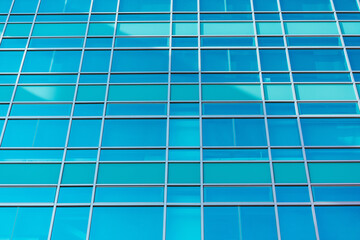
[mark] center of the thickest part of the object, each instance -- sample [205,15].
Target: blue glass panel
[321,77]
[185,42]
[229,60]
[283,132]
[331,132]
[31,155]
[305,5]
[81,155]
[230,77]
[232,109]
[270,42]
[333,154]
[265,5]
[280,108]
[286,154]
[142,42]
[59,6]
[110,223]
[10,61]
[227,41]
[346,5]
[24,6]
[21,18]
[139,78]
[27,194]
[144,6]
[336,194]
[104,5]
[276,77]
[184,16]
[352,41]
[11,79]
[267,16]
[183,194]
[184,60]
[129,194]
[84,133]
[143,17]
[75,195]
[99,43]
[340,222]
[313,41]
[273,60]
[62,18]
[120,109]
[308,16]
[88,109]
[96,61]
[184,132]
[40,110]
[181,77]
[5,6]
[348,16]
[230,5]
[292,194]
[3,109]
[233,223]
[238,194]
[227,16]
[183,223]
[48,79]
[354,57]
[296,223]
[235,154]
[234,132]
[328,108]
[102,17]
[13,43]
[184,109]
[317,60]
[133,155]
[70,223]
[182,6]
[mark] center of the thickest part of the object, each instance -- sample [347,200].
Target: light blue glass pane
[31,155]
[184,109]
[333,154]
[81,155]
[136,132]
[5,6]
[140,60]
[317,60]
[308,16]
[40,110]
[227,41]
[183,223]
[96,61]
[232,109]
[235,154]
[238,194]
[102,17]
[10,61]
[286,154]
[233,223]
[129,194]
[75,195]
[85,133]
[139,78]
[52,61]
[133,155]
[27,194]
[101,78]
[292,194]
[104,5]
[336,194]
[3,109]
[271,42]
[321,77]
[265,5]
[234,132]
[328,108]
[142,42]
[181,77]
[10,79]
[283,132]
[296,223]
[59,6]
[305,5]
[354,57]
[35,133]
[62,18]
[225,16]
[183,194]
[229,60]
[21,18]
[280,109]
[120,109]
[24,6]
[331,132]
[99,42]
[313,41]
[48,79]
[276,77]
[340,222]
[185,16]
[110,223]
[13,43]
[184,132]
[88,109]
[144,6]
[184,60]
[70,223]
[346,5]
[230,77]
[184,155]
[229,5]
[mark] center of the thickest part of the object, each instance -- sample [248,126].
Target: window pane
[147,29]
[184,60]
[273,60]
[231,92]
[96,61]
[27,195]
[129,194]
[336,193]
[85,133]
[183,194]
[75,195]
[184,132]
[104,6]
[229,5]
[44,93]
[284,132]
[354,57]
[278,92]
[346,5]
[10,61]
[226,28]
[292,194]
[310,28]
[289,173]
[78,173]
[59,29]
[183,223]
[265,5]
[238,194]
[184,173]
[59,6]
[305,5]
[144,6]
[334,172]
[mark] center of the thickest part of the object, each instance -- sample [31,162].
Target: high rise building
[179,119]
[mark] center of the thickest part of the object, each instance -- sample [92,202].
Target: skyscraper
[179,119]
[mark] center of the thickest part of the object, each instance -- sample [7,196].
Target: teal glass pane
[27,194]
[336,193]
[184,28]
[336,222]
[234,132]
[31,155]
[52,61]
[184,173]
[3,109]
[283,132]
[334,172]
[235,154]
[123,109]
[292,194]
[44,93]
[184,155]
[71,78]
[142,29]
[135,132]
[78,173]
[10,61]
[273,60]
[268,28]
[226,28]
[101,29]
[70,223]
[140,60]
[59,29]
[17,30]
[331,132]
[132,155]
[278,92]
[184,132]
[231,92]
[25,222]
[238,194]
[24,173]
[130,173]
[183,223]
[129,194]
[75,195]
[40,110]
[96,61]
[35,133]
[65,6]
[236,173]
[255,223]
[184,60]
[145,6]
[350,27]
[296,223]
[305,5]
[183,194]
[289,173]
[81,155]
[85,133]
[123,222]
[311,28]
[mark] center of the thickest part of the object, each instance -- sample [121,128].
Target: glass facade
[180,119]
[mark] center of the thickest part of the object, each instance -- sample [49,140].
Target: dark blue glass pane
[104,5]
[354,57]
[99,42]
[346,5]
[273,60]
[267,16]
[270,42]
[292,194]
[184,42]
[238,194]
[182,6]
[352,41]
[283,132]
[232,77]
[313,41]
[328,108]
[280,108]
[183,16]
[184,60]
[348,16]
[305,5]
